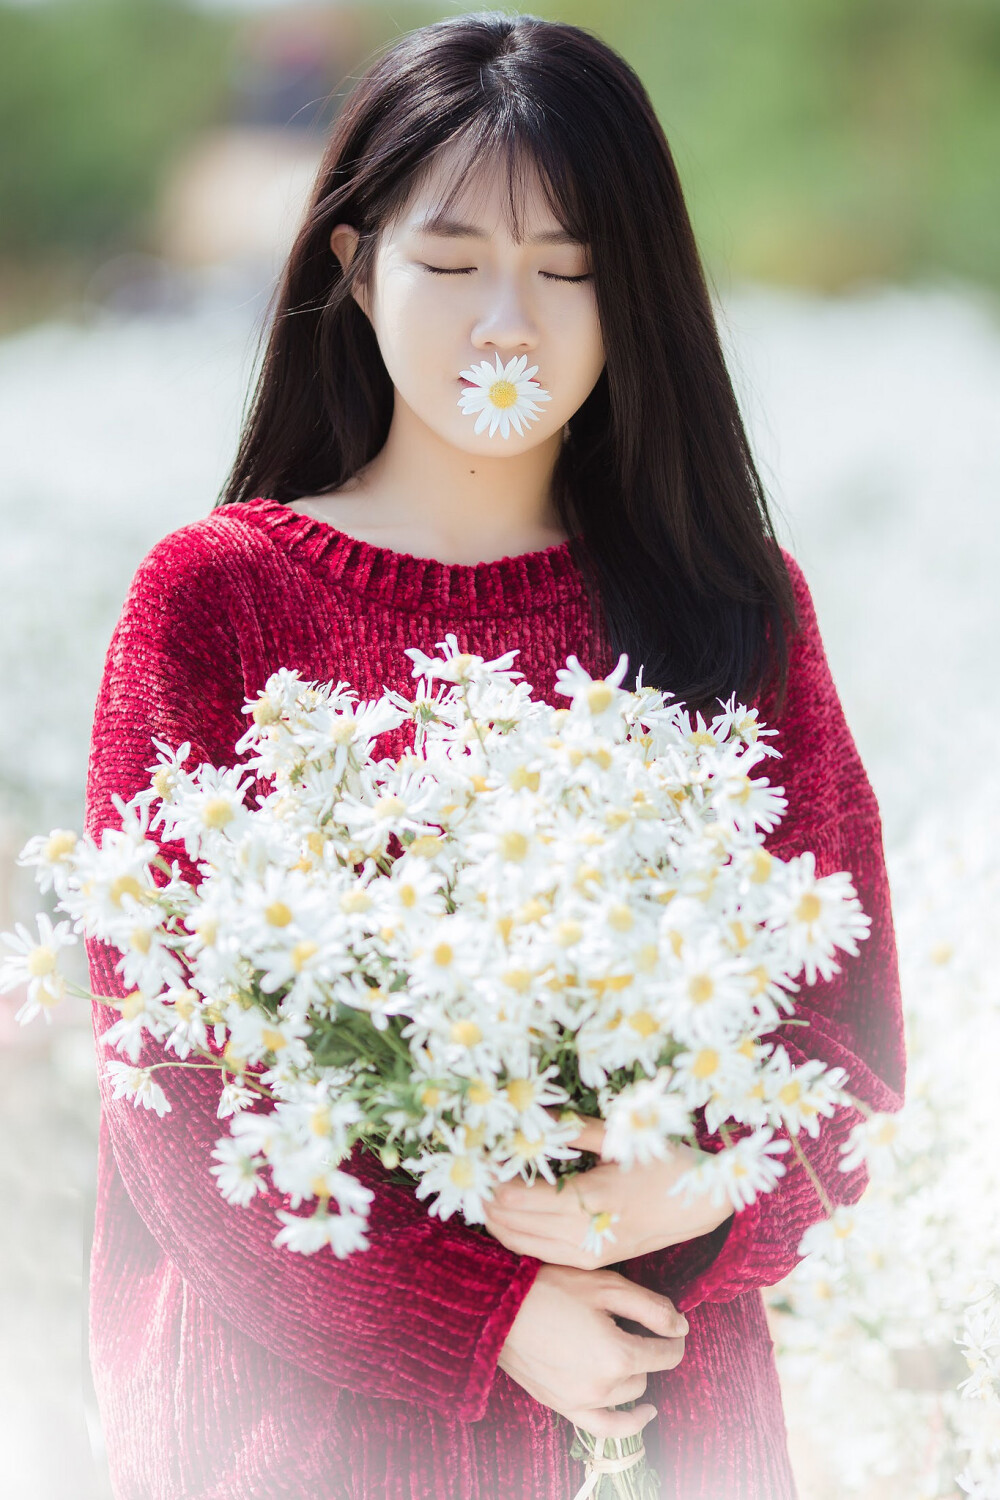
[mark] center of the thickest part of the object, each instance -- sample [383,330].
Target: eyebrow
[455,229]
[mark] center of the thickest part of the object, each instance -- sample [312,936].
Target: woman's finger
[604,1423]
[555,1252]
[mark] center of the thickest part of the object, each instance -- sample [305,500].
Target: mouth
[466,384]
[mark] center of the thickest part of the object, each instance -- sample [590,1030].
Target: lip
[468,384]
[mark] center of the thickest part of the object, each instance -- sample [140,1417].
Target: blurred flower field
[876,423]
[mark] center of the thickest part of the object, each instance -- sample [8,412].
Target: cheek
[412,328]
[581,354]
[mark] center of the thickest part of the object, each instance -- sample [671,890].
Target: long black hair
[656,485]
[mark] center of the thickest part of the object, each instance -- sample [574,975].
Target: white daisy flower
[503,395]
[343,1232]
[737,1174]
[34,962]
[137,1084]
[600,1230]
[238,1172]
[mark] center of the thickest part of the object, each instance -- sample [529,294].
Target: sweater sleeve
[422,1314]
[854,1019]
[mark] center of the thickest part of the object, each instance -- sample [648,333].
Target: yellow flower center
[461,1173]
[479,1092]
[705,1063]
[466,1033]
[132,1005]
[278,914]
[642,1022]
[355,900]
[41,961]
[809,907]
[302,953]
[124,885]
[426,845]
[60,843]
[389,806]
[601,1223]
[520,1092]
[217,812]
[701,988]
[186,1004]
[503,394]
[512,846]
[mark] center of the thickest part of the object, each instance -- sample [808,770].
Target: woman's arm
[855,1018]
[423,1313]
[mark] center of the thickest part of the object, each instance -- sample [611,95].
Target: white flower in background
[142,1016]
[460,1177]
[237,1171]
[503,395]
[595,697]
[457,666]
[641,1119]
[600,1231]
[878,1140]
[207,807]
[34,962]
[818,917]
[737,1174]
[344,1233]
[51,854]
[235,1096]
[138,1085]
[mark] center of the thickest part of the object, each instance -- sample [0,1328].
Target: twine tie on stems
[600,1464]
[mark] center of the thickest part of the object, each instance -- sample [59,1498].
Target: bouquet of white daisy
[534,913]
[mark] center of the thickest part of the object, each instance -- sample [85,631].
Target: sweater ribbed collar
[509,585]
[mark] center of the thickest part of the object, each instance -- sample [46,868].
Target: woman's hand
[566,1350]
[536,1219]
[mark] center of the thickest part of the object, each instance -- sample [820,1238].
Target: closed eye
[467,270]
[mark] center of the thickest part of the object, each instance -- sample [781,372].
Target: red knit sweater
[227,1369]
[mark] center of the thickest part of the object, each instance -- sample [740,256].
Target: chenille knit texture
[228,1369]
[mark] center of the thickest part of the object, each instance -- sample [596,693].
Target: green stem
[821,1191]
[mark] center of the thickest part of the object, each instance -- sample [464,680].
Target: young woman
[497,189]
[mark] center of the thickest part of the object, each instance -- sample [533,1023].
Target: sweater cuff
[482,1373]
[725,1276]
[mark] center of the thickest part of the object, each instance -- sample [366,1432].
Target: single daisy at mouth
[502,395]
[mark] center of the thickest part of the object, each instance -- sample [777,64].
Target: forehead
[460,187]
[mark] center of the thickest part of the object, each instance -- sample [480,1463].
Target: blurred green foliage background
[821,142]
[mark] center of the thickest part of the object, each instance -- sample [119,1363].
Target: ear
[344,243]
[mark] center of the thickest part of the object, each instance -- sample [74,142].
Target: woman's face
[447,294]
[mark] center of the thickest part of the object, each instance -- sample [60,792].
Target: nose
[505,322]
